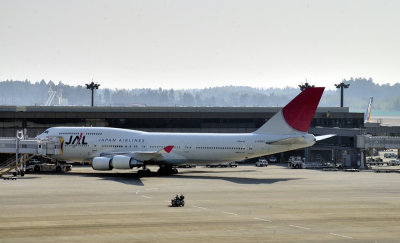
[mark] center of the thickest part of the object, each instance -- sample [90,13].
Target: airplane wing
[143,155]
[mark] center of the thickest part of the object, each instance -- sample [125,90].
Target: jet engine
[102,163]
[124,162]
[117,162]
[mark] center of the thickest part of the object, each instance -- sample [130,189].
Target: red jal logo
[76,140]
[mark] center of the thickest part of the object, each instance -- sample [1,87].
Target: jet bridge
[365,142]
[48,146]
[25,149]
[385,142]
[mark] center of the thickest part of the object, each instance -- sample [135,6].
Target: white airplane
[109,148]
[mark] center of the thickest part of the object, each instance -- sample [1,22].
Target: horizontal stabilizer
[288,141]
[322,137]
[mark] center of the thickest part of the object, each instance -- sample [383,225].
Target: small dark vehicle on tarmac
[178,201]
[223,165]
[186,166]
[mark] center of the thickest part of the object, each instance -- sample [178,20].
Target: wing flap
[143,155]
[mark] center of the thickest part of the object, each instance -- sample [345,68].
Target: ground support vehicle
[178,201]
[233,164]
[224,165]
[262,162]
[47,167]
[351,170]
[390,155]
[393,162]
[186,166]
[296,162]
[273,159]
[375,161]
[386,170]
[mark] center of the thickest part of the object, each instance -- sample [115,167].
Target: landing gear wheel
[144,173]
[167,170]
[147,172]
[58,168]
[36,168]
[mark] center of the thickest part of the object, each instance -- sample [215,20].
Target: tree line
[27,93]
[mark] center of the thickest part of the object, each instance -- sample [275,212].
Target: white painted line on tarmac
[230,213]
[199,207]
[348,237]
[266,220]
[146,196]
[300,227]
[151,189]
[377,197]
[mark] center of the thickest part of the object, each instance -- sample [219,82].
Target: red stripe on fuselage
[168,148]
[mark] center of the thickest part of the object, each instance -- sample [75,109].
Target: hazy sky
[196,44]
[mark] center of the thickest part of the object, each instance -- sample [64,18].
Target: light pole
[342,86]
[92,86]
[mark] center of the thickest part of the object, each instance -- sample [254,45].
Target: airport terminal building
[327,120]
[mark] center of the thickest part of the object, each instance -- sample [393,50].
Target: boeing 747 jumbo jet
[109,148]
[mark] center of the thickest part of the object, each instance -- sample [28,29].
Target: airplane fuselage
[85,143]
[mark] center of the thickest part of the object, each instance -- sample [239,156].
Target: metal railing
[13,165]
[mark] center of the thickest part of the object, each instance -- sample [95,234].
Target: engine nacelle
[101,163]
[124,162]
[121,162]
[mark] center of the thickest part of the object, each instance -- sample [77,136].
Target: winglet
[168,148]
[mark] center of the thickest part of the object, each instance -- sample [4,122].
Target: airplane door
[143,146]
[249,148]
[93,150]
[187,148]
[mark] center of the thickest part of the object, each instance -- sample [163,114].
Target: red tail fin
[300,111]
[296,116]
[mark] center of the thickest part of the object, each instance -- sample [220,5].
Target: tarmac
[243,204]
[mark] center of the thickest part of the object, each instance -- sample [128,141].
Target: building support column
[307,154]
[362,159]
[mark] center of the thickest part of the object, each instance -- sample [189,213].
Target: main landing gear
[144,172]
[167,170]
[163,170]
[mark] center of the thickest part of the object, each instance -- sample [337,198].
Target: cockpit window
[47,131]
